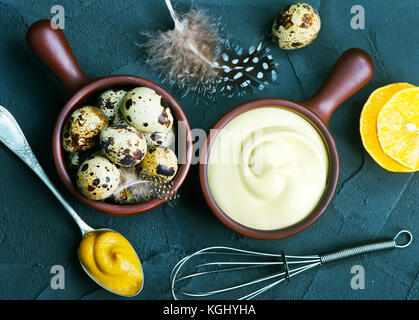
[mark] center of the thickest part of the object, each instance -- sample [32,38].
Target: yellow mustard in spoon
[111,261]
[106,256]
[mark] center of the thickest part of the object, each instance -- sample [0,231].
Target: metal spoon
[13,138]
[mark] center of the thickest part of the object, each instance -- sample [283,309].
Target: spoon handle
[13,138]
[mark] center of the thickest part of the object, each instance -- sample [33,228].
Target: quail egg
[82,128]
[165,139]
[144,109]
[109,102]
[75,159]
[296,26]
[123,145]
[98,178]
[160,162]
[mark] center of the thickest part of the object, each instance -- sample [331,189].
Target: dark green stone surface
[370,203]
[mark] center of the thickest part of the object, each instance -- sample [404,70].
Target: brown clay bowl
[351,72]
[51,46]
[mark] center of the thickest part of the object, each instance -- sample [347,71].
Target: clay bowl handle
[51,47]
[352,71]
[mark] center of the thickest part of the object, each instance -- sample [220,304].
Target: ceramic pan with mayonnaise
[270,167]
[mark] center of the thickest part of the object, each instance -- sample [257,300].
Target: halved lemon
[368,126]
[398,128]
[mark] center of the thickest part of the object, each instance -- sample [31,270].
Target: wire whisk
[192,276]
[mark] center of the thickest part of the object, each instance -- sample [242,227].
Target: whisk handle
[367,248]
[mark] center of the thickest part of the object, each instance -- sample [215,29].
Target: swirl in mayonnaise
[268,168]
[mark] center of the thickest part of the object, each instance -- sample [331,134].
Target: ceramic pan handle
[48,42]
[353,70]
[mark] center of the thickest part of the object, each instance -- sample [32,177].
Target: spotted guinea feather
[143,188]
[194,57]
[244,71]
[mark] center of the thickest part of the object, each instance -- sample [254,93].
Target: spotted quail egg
[82,128]
[160,162]
[123,145]
[97,178]
[145,109]
[109,102]
[296,26]
[77,158]
[165,139]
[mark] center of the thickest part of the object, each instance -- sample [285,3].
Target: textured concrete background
[370,203]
